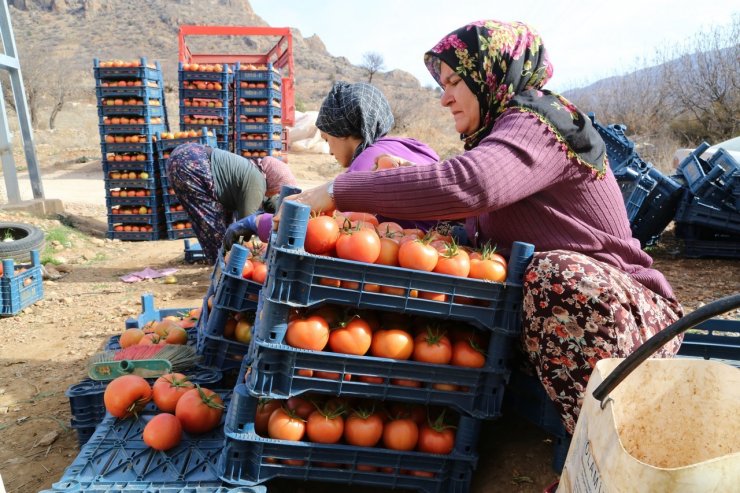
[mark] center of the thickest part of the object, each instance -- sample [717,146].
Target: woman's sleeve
[520,157]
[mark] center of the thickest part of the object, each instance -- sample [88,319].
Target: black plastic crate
[716,181]
[702,242]
[620,150]
[695,211]
[249,459]
[526,398]
[651,200]
[717,339]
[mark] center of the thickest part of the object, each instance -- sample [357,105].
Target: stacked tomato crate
[424,416]
[131,110]
[205,99]
[258,96]
[178,224]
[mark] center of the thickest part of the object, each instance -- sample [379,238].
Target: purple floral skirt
[577,311]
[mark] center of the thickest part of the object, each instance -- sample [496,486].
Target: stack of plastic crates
[272,369]
[205,99]
[113,455]
[131,110]
[21,285]
[650,197]
[708,219]
[177,221]
[231,300]
[259,128]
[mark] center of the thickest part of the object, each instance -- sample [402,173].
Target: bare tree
[372,62]
[42,81]
[702,82]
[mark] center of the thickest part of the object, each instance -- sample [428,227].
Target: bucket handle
[647,349]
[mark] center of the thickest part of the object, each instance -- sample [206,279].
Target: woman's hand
[318,199]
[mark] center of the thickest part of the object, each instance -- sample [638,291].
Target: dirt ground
[44,349]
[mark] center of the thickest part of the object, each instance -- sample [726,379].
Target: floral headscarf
[505,65]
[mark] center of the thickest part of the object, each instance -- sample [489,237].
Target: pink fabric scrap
[147,273]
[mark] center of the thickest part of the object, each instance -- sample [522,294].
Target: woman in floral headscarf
[534,170]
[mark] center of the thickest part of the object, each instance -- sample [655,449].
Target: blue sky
[587,40]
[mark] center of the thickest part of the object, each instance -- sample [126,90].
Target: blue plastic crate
[149,313]
[270,74]
[295,277]
[116,455]
[526,398]
[279,370]
[271,128]
[694,211]
[205,112]
[143,110]
[128,129]
[262,93]
[232,291]
[144,148]
[176,216]
[179,234]
[169,199]
[217,351]
[193,252]
[717,339]
[249,459]
[20,289]
[224,76]
[243,144]
[135,235]
[151,219]
[267,111]
[141,72]
[145,487]
[705,242]
[152,201]
[128,166]
[86,397]
[651,200]
[169,144]
[148,183]
[144,92]
[221,95]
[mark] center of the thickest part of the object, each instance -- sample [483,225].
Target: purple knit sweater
[517,184]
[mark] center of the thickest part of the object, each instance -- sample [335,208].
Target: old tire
[25,238]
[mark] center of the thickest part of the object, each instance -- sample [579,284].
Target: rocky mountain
[70,33]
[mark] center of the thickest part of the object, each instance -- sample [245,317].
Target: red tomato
[360,245]
[300,407]
[453,261]
[308,333]
[389,229]
[353,337]
[163,432]
[388,252]
[247,270]
[322,233]
[432,346]
[400,434]
[364,217]
[417,255]
[489,270]
[265,407]
[331,313]
[259,271]
[168,389]
[284,426]
[393,343]
[436,437]
[324,427]
[127,395]
[363,429]
[415,412]
[199,410]
[464,354]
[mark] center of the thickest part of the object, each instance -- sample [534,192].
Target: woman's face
[342,148]
[461,101]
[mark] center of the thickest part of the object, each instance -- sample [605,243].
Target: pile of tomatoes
[183,405]
[386,335]
[170,330]
[362,238]
[356,422]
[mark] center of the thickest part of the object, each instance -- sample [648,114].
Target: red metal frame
[280,55]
